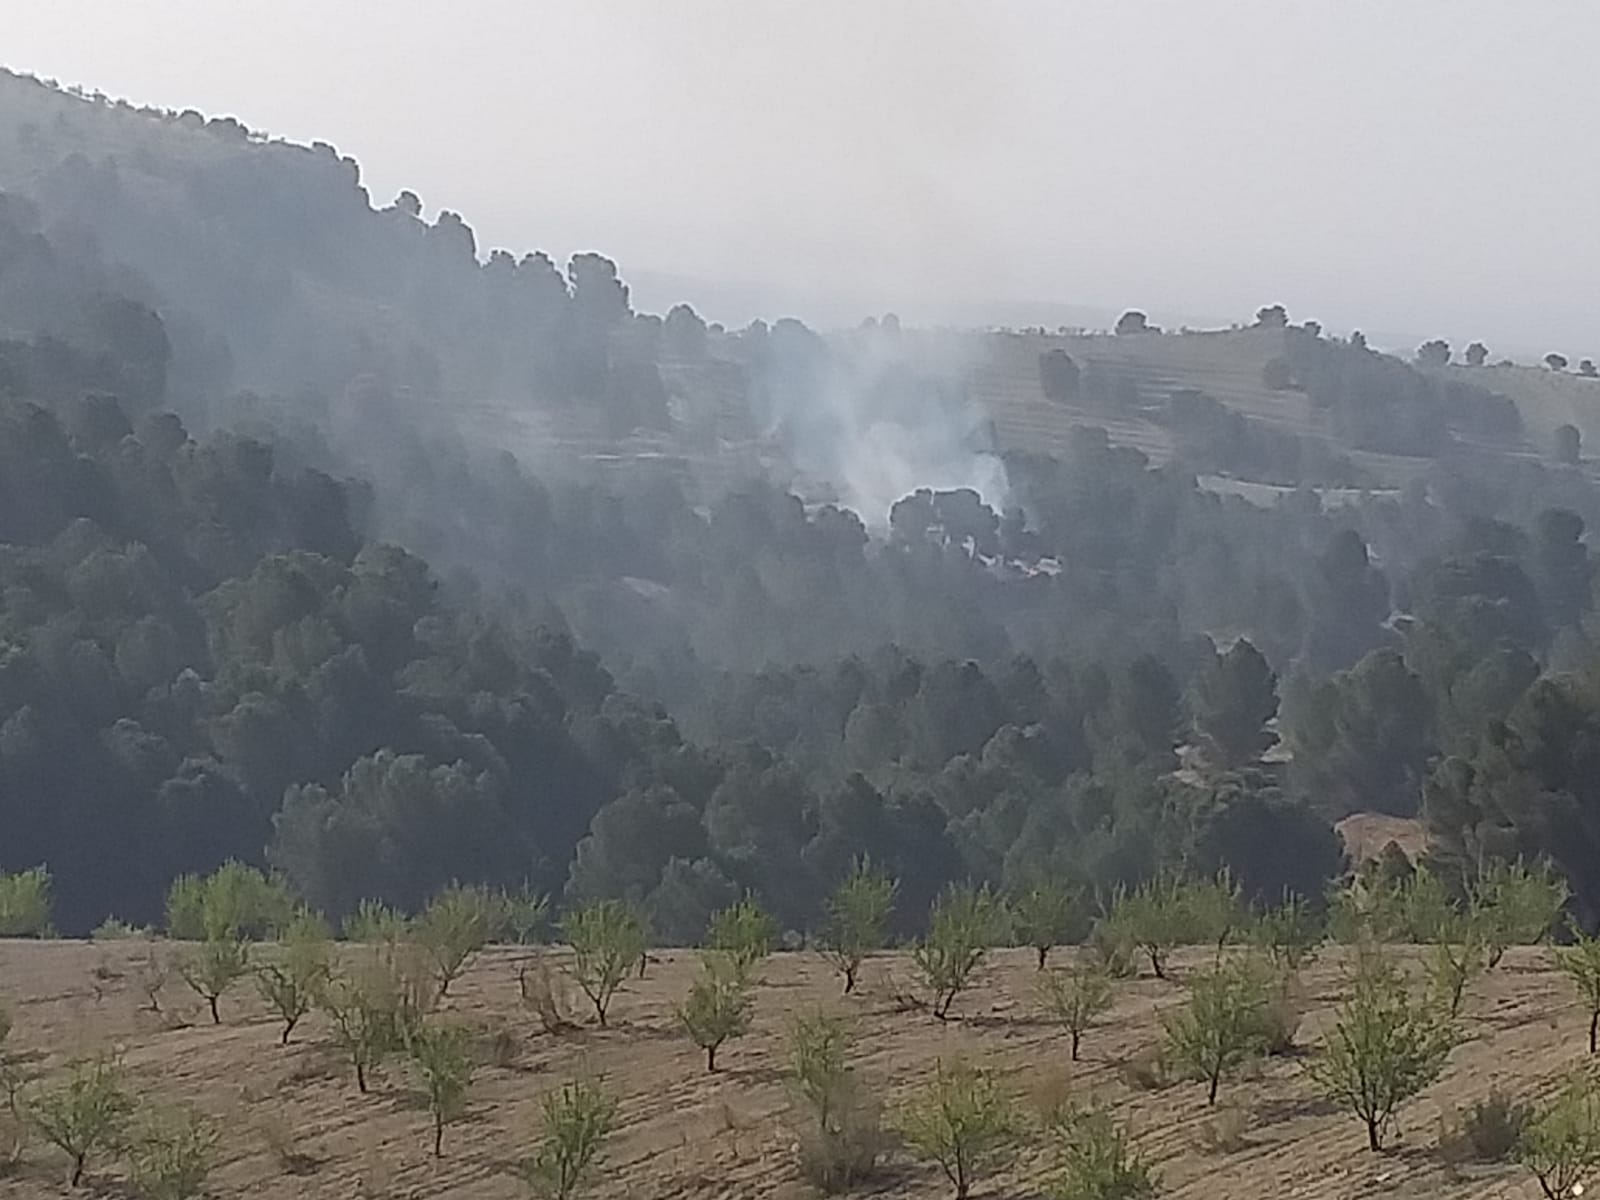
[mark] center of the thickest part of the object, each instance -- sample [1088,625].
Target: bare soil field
[295,1126]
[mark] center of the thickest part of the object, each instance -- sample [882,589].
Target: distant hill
[275,273]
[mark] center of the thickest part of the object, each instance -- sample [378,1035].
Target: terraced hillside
[1225,364]
[1545,398]
[295,1126]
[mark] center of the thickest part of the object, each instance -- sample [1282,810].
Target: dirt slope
[688,1134]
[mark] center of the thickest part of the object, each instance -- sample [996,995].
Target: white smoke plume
[876,414]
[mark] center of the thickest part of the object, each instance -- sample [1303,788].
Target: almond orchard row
[380,990]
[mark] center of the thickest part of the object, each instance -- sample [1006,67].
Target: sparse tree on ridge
[1434,354]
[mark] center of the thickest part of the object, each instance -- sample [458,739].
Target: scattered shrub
[170,1154]
[1147,1070]
[1113,950]
[502,1047]
[1224,1131]
[1098,1161]
[606,940]
[1075,997]
[858,916]
[25,903]
[718,1007]
[841,1134]
[1288,933]
[375,923]
[113,930]
[1488,1130]
[84,1114]
[965,922]
[545,994]
[1280,1020]
[1385,1048]
[279,1137]
[962,1121]
[576,1118]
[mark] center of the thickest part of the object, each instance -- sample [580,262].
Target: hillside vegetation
[374,575]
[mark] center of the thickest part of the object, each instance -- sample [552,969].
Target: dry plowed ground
[295,1126]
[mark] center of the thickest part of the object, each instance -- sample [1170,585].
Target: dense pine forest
[276,585]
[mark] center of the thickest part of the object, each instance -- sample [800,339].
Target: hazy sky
[1418,166]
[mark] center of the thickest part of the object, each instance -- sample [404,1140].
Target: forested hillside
[308,557]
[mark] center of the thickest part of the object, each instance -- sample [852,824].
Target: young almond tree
[442,1057]
[718,1007]
[372,1005]
[1561,1145]
[170,1154]
[1045,914]
[606,940]
[1518,905]
[25,903]
[1075,996]
[743,933]
[1288,933]
[455,925]
[1454,963]
[1580,962]
[964,923]
[291,983]
[84,1114]
[576,1119]
[1162,914]
[962,1121]
[213,967]
[858,918]
[1385,1048]
[525,915]
[1222,1025]
[1097,1158]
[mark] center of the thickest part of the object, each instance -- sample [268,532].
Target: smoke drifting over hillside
[877,414]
